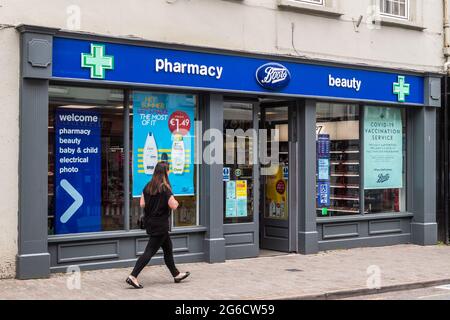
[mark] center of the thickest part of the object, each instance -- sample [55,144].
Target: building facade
[94,93]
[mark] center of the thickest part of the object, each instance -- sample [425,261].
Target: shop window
[163,129]
[354,173]
[238,162]
[338,159]
[384,159]
[85,148]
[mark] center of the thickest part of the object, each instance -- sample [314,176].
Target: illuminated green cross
[401,89]
[97,61]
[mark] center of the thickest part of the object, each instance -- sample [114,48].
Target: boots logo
[273,76]
[382,178]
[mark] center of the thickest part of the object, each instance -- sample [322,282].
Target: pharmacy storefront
[266,153]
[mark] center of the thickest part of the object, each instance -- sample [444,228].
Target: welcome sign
[383,148]
[77,171]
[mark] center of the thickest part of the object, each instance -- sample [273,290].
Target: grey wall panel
[241,251]
[37,55]
[432,88]
[239,238]
[238,227]
[384,227]
[275,232]
[376,232]
[129,263]
[342,230]
[121,252]
[359,242]
[87,251]
[241,241]
[180,244]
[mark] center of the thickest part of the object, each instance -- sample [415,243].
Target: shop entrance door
[274,189]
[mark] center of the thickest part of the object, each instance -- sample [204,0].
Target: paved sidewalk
[288,276]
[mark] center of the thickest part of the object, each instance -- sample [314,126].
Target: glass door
[239,137]
[274,216]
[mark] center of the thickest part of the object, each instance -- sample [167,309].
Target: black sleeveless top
[157,211]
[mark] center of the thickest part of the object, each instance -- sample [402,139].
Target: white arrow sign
[78,200]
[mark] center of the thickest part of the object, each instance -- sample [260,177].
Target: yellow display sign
[241,189]
[276,196]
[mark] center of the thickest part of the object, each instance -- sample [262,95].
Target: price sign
[180,122]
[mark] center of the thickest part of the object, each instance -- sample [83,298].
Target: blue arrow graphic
[78,200]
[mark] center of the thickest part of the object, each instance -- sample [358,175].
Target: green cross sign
[401,89]
[97,61]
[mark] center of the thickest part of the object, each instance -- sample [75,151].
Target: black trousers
[154,243]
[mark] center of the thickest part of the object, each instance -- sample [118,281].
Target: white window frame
[407,11]
[314,2]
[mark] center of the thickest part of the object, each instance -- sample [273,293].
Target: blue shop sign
[123,63]
[77,171]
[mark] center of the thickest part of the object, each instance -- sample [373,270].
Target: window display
[384,159]
[383,149]
[85,160]
[338,160]
[163,129]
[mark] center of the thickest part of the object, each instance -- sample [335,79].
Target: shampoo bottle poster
[163,130]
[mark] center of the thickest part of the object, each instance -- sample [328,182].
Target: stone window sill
[309,8]
[399,23]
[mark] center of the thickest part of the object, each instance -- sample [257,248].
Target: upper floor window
[395,8]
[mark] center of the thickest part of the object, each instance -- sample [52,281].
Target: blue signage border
[125,63]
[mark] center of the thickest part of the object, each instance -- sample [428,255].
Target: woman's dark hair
[160,179]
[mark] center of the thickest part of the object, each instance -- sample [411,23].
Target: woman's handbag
[170,220]
[141,221]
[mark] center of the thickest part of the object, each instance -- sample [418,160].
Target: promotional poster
[383,148]
[164,130]
[276,195]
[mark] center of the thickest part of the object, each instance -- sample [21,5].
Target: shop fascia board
[136,41]
[143,86]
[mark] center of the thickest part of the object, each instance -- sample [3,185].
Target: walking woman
[157,200]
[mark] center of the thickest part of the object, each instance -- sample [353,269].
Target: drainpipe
[446,36]
[445,137]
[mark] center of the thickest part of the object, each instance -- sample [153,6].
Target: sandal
[133,284]
[178,280]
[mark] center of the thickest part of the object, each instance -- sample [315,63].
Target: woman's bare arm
[173,203]
[142,203]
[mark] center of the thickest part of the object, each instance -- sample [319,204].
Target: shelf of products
[344,178]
